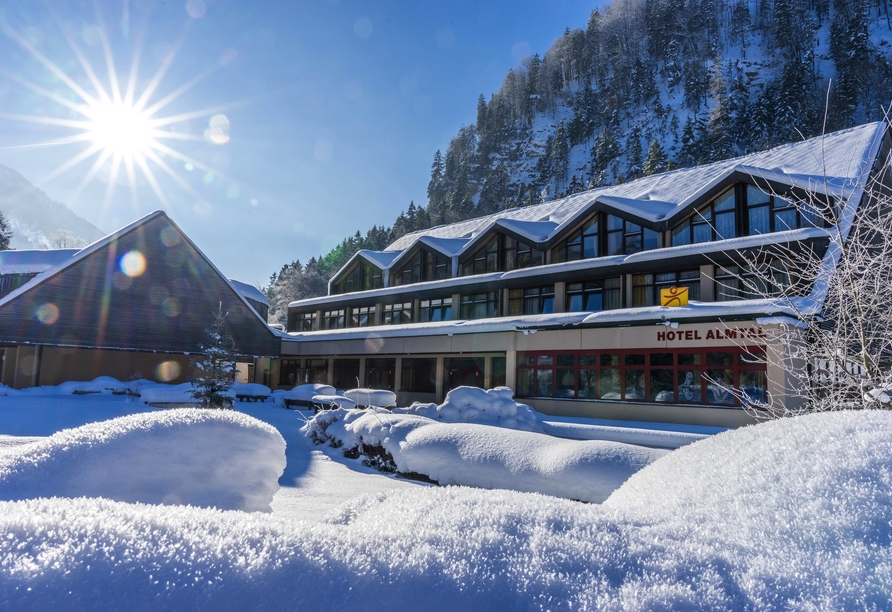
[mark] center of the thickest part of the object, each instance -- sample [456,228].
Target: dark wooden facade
[95,303]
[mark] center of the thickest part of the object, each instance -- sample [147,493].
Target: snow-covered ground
[792,514]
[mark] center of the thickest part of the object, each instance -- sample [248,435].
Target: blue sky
[333,109]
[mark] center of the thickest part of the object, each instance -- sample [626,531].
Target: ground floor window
[419,375]
[379,373]
[723,377]
[498,372]
[536,300]
[346,373]
[289,370]
[317,371]
[435,310]
[464,371]
[480,305]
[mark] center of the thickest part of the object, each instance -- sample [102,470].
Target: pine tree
[5,233]
[215,371]
[656,159]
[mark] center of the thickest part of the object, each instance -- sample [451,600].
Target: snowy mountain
[643,87]
[34,217]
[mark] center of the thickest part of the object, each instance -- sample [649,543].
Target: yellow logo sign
[674,296]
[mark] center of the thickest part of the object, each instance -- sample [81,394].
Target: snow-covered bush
[480,456]
[187,456]
[474,405]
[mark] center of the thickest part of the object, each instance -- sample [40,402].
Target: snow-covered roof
[33,261]
[836,164]
[249,291]
[707,248]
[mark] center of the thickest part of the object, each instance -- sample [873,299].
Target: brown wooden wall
[92,303]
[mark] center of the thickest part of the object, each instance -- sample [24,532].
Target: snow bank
[480,456]
[372,397]
[162,394]
[199,457]
[789,515]
[102,384]
[4,390]
[474,405]
[251,390]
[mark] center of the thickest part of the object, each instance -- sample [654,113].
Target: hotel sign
[719,333]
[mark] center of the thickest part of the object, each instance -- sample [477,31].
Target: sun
[125,127]
[121,130]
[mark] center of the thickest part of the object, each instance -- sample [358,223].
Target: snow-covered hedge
[474,405]
[787,515]
[199,457]
[481,456]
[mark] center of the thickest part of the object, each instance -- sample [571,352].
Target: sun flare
[121,130]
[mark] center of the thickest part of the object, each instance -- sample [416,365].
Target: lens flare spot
[189,167]
[48,313]
[167,371]
[169,237]
[132,263]
[218,130]
[171,307]
[232,192]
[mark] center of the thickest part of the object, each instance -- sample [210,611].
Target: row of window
[741,210]
[732,282]
[723,377]
[418,374]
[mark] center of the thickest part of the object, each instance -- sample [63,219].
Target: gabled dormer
[359,274]
[420,265]
[500,252]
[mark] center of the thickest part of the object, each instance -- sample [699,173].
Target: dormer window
[581,244]
[423,266]
[770,213]
[362,277]
[715,221]
[485,259]
[625,237]
[517,254]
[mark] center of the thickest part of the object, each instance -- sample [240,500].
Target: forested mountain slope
[645,86]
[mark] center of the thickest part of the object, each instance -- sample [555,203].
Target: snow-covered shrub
[187,456]
[474,405]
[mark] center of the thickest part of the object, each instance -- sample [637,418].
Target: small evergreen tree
[656,159]
[215,371]
[5,233]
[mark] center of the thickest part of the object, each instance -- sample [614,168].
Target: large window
[362,316]
[594,296]
[419,375]
[435,310]
[535,300]
[334,319]
[397,314]
[752,281]
[379,373]
[302,321]
[424,266]
[363,276]
[715,221]
[625,237]
[317,371]
[485,259]
[464,371]
[581,244]
[345,373]
[517,254]
[480,305]
[722,377]
[646,287]
[769,213]
[289,372]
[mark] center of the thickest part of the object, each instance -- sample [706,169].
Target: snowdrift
[482,456]
[221,459]
[474,405]
[787,515]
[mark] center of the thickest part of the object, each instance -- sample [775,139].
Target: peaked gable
[146,287]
